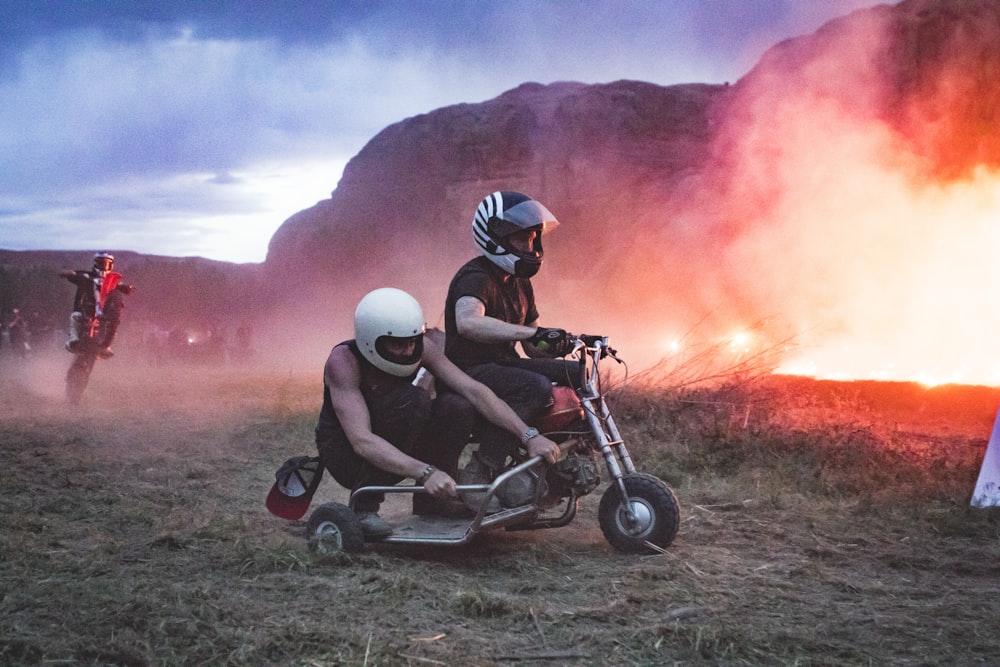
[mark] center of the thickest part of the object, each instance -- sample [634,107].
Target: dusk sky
[192,128]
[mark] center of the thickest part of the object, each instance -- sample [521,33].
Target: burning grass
[822,523]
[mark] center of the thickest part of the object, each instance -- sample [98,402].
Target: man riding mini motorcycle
[490,308]
[99,294]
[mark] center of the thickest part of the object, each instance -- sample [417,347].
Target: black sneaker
[477,472]
[427,505]
[373,526]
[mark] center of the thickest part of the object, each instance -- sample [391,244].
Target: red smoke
[857,191]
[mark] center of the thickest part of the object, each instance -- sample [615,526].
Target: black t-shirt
[511,300]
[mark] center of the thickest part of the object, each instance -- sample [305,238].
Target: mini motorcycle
[638,513]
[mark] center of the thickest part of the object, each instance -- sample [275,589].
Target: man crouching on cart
[377,427]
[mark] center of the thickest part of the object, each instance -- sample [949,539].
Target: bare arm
[472,323]
[343,376]
[485,401]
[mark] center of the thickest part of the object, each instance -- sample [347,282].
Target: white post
[987,493]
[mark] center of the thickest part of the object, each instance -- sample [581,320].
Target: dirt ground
[133,532]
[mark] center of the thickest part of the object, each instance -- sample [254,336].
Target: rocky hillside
[595,154]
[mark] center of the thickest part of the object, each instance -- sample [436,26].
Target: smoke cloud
[861,210]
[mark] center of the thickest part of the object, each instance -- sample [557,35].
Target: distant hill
[170,291]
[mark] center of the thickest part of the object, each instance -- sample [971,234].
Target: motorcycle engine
[577,472]
[520,489]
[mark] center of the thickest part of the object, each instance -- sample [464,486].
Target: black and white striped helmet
[501,214]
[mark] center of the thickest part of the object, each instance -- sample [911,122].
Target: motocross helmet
[503,213]
[103,263]
[385,316]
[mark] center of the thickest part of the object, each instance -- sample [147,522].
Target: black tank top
[374,383]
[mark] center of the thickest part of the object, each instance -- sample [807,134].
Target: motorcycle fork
[609,441]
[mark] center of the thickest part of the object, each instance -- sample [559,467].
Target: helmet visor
[399,350]
[103,263]
[523,216]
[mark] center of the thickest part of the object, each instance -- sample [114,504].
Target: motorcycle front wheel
[333,527]
[648,524]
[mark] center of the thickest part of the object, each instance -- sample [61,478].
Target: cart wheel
[334,527]
[655,520]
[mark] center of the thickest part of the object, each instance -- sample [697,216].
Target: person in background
[17,334]
[378,426]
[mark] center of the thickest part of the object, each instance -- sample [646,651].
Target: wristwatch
[528,435]
[428,471]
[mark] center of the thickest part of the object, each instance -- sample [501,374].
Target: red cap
[292,491]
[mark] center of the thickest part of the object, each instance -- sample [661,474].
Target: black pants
[526,386]
[434,431]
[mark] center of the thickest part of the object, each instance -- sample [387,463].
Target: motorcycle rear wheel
[78,376]
[655,510]
[332,528]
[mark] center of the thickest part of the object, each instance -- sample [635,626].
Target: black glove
[554,342]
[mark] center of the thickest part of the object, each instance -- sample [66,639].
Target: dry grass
[822,524]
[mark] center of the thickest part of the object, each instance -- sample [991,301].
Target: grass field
[822,524]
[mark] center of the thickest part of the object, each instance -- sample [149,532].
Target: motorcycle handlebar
[591,340]
[595,341]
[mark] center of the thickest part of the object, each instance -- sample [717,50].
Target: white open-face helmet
[503,213]
[385,319]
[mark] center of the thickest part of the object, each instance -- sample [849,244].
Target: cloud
[126,133]
[166,106]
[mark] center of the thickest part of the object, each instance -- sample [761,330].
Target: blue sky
[193,128]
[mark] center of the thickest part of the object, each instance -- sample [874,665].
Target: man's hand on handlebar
[441,485]
[553,342]
[542,446]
